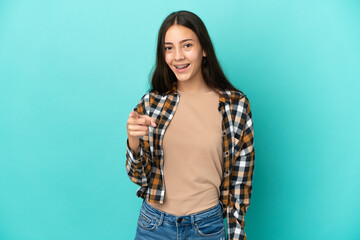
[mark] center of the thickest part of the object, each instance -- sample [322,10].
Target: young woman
[190,141]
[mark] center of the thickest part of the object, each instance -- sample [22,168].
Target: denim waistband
[183,219]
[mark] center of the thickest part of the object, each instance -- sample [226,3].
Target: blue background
[71,72]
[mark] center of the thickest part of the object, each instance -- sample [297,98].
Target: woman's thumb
[153,123]
[151,120]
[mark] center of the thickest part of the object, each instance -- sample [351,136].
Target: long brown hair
[163,77]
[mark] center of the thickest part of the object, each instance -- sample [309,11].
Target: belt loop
[222,207]
[161,219]
[192,220]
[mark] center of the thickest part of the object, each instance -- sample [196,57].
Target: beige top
[193,162]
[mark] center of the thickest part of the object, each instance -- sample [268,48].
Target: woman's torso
[193,162]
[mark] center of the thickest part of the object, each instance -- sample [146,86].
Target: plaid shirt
[147,168]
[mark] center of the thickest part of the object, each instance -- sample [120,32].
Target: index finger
[134,114]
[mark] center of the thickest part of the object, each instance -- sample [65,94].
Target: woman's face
[183,53]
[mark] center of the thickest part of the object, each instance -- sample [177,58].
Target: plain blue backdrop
[71,72]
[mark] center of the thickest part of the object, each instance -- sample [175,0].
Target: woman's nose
[179,54]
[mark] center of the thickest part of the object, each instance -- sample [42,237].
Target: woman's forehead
[179,33]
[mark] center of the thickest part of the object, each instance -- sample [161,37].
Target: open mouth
[183,66]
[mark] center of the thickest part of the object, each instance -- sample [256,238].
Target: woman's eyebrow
[188,39]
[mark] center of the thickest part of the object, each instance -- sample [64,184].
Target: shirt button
[224,133]
[227,153]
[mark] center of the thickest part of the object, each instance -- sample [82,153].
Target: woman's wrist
[134,144]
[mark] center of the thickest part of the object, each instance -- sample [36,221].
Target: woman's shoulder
[152,98]
[233,95]
[153,95]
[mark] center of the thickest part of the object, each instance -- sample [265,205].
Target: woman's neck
[193,86]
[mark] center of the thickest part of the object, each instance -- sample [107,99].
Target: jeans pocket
[147,221]
[211,226]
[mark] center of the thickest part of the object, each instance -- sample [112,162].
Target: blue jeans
[154,224]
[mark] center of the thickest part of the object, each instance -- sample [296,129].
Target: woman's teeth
[182,66]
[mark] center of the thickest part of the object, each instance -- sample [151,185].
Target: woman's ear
[204,53]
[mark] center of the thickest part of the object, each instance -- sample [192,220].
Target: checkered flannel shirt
[147,168]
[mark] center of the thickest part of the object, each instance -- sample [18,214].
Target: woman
[190,141]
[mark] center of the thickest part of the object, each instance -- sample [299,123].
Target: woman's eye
[167,48]
[188,45]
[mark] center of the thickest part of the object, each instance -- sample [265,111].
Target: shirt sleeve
[138,167]
[242,174]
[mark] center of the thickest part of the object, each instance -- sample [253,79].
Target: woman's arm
[242,174]
[139,162]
